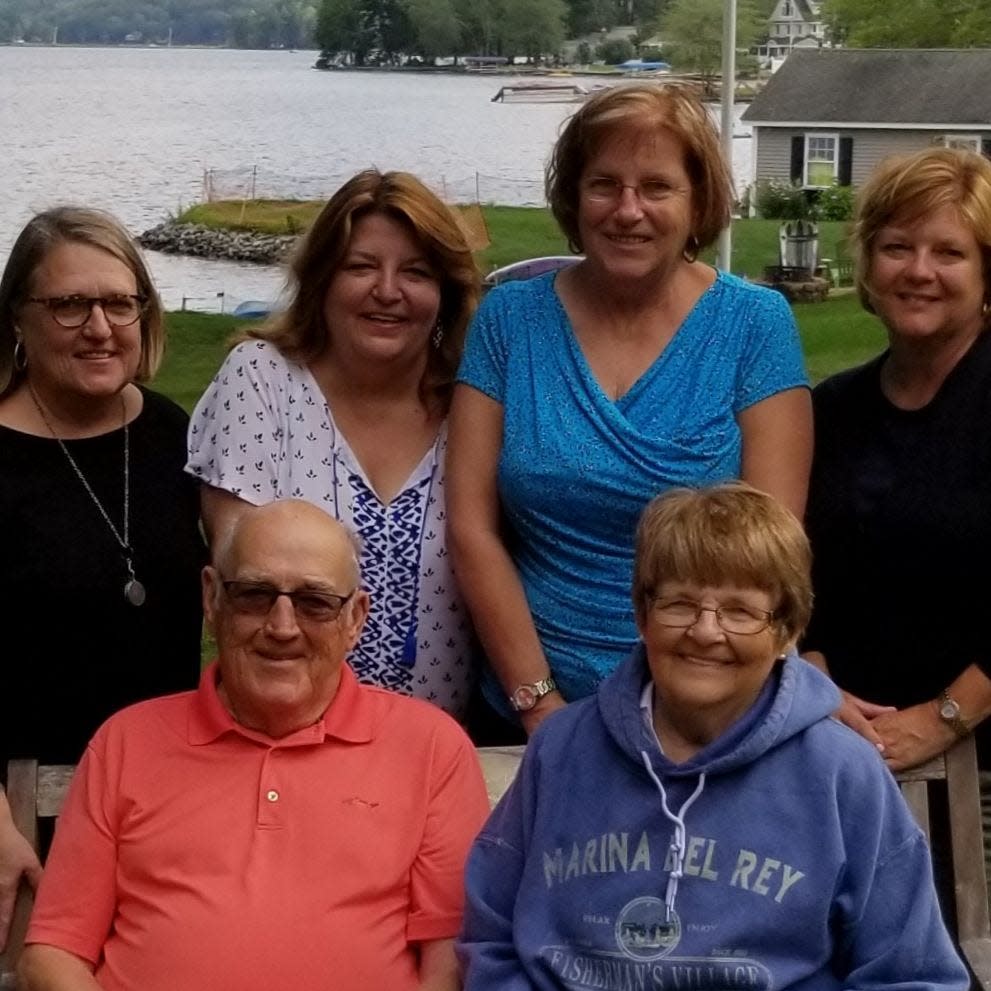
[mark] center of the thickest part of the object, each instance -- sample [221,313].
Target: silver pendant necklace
[134,591]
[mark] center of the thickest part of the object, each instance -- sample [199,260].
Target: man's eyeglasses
[683,613]
[258,598]
[71,312]
[605,189]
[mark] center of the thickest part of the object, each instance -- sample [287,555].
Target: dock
[542,92]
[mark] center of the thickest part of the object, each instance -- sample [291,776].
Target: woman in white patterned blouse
[342,400]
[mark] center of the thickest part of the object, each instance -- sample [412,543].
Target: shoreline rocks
[209,242]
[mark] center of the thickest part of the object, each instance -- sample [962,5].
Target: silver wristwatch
[527,696]
[949,713]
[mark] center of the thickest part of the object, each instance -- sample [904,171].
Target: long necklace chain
[134,591]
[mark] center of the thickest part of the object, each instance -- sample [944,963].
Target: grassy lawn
[755,244]
[197,343]
[519,232]
[267,216]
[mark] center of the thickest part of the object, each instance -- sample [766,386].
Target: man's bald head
[287,520]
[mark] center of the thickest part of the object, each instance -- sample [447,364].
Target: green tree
[391,29]
[436,27]
[614,51]
[479,21]
[918,24]
[588,16]
[532,27]
[340,30]
[693,34]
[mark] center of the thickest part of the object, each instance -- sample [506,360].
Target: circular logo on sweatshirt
[645,932]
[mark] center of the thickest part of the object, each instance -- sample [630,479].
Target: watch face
[525,698]
[949,709]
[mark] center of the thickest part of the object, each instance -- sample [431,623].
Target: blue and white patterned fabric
[263,431]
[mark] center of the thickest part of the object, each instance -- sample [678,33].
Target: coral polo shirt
[193,853]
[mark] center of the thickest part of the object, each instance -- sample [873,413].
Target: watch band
[949,713]
[526,696]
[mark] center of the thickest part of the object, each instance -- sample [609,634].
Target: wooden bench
[958,768]
[33,793]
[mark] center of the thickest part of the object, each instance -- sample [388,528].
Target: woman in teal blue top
[584,394]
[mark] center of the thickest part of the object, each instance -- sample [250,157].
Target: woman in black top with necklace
[99,578]
[899,501]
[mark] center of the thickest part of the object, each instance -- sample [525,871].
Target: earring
[691,250]
[20,358]
[438,334]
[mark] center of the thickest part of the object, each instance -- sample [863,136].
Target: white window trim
[973,141]
[835,138]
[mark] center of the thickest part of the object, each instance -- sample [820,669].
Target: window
[786,8]
[969,142]
[820,160]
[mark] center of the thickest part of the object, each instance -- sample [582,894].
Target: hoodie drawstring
[678,844]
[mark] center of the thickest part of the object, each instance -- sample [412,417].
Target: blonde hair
[636,111]
[74,225]
[727,534]
[905,188]
[300,331]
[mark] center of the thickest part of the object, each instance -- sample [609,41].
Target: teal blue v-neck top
[577,467]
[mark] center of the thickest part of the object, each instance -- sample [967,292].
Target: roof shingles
[878,86]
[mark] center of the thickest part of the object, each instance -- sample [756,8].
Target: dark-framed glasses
[605,189]
[71,312]
[258,598]
[683,613]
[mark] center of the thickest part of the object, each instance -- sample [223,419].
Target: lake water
[135,131]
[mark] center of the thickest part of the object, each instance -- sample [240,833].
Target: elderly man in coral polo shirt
[282,827]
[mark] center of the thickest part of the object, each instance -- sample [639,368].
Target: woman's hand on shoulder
[912,736]
[859,714]
[17,860]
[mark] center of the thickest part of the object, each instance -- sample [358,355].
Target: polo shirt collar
[350,717]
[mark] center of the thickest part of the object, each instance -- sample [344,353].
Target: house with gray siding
[792,24]
[832,114]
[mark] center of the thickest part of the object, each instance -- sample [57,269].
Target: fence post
[254,181]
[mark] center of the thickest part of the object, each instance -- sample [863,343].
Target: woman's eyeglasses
[605,189]
[71,312]
[683,613]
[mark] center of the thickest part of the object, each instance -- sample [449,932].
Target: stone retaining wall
[208,242]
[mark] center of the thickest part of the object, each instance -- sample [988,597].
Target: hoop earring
[438,334]
[20,358]
[691,250]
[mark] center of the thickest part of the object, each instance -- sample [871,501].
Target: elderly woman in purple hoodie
[702,822]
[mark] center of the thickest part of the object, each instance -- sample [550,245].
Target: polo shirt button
[272,796]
